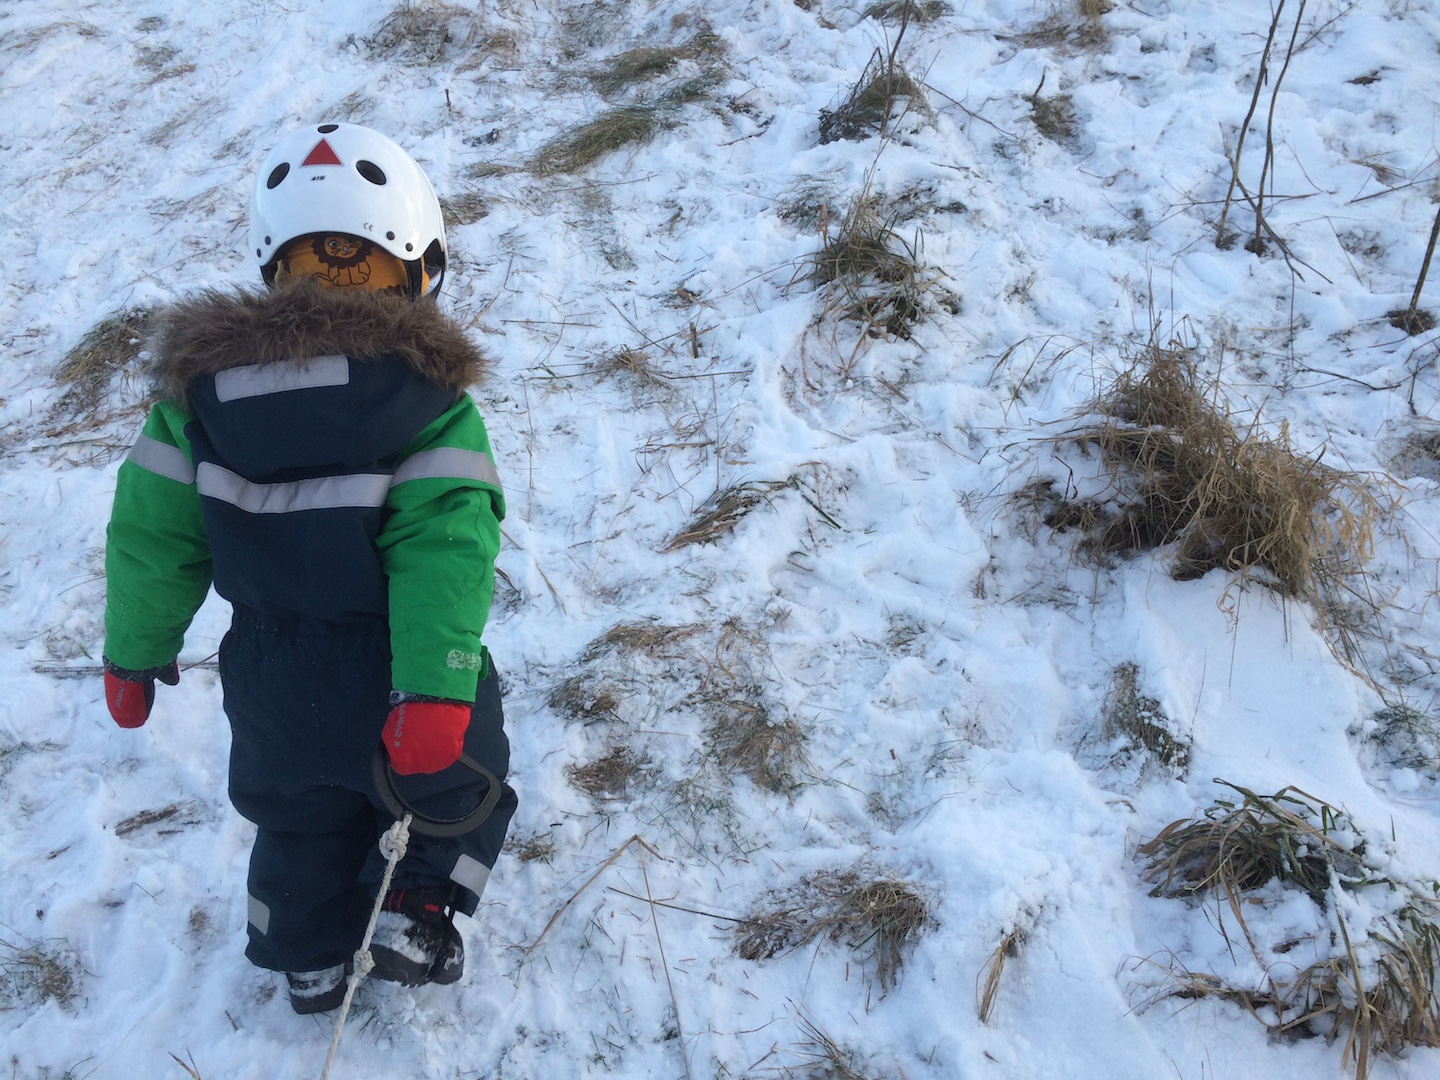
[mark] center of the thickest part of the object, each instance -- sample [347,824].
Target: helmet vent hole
[267,239]
[370,171]
[389,236]
[325,129]
[409,247]
[277,174]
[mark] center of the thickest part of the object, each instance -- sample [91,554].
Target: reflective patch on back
[258,913]
[318,493]
[255,380]
[471,873]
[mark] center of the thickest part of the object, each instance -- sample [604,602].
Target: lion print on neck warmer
[341,262]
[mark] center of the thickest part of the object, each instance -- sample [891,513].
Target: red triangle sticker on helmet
[321,155]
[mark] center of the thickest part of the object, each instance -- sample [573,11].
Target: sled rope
[392,845]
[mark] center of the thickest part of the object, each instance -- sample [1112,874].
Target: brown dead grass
[723,511]
[1243,501]
[1142,721]
[887,915]
[869,274]
[107,349]
[623,70]
[34,972]
[1379,992]
[610,776]
[745,736]
[987,983]
[584,144]
[656,640]
[884,92]
[420,31]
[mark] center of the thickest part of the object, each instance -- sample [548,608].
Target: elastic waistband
[308,626]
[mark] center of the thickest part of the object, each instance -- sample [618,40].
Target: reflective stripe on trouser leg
[471,873]
[259,914]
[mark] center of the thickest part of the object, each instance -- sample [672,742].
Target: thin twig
[1425,266]
[588,882]
[1269,162]
[674,907]
[655,922]
[1244,127]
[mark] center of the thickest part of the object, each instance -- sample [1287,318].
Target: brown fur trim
[218,330]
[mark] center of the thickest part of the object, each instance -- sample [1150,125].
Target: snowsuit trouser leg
[306,701]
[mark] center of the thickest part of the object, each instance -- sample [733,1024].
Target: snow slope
[944,659]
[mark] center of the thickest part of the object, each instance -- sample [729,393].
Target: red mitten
[130,694]
[425,736]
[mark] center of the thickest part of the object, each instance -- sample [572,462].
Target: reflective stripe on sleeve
[162,459]
[255,380]
[446,463]
[319,493]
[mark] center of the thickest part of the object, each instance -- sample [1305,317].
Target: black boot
[415,940]
[317,991]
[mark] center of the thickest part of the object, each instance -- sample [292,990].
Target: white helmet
[344,178]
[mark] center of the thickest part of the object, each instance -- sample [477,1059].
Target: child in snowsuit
[313,453]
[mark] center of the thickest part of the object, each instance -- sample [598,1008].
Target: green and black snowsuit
[314,453]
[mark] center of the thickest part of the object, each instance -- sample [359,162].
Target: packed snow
[930,662]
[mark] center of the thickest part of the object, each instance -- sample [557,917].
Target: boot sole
[319,1003]
[392,966]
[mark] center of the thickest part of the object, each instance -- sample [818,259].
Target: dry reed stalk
[987,983]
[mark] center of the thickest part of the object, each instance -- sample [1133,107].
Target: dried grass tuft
[870,104]
[744,735]
[537,847]
[464,209]
[1142,722]
[824,1059]
[719,514]
[1042,504]
[1383,1003]
[587,697]
[1406,737]
[623,70]
[647,383]
[1053,117]
[1236,847]
[987,983]
[610,776]
[583,145]
[1378,991]
[107,349]
[893,11]
[886,914]
[419,32]
[869,273]
[1245,502]
[34,972]
[657,640]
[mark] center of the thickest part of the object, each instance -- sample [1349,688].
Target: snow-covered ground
[939,662]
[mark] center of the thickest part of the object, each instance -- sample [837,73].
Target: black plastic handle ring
[384,778]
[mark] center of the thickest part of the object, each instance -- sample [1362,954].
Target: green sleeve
[438,547]
[157,560]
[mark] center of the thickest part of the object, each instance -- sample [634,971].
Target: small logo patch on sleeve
[463,661]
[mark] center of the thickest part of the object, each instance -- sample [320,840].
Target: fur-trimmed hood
[217,330]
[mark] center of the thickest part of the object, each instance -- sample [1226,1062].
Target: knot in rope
[364,963]
[395,840]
